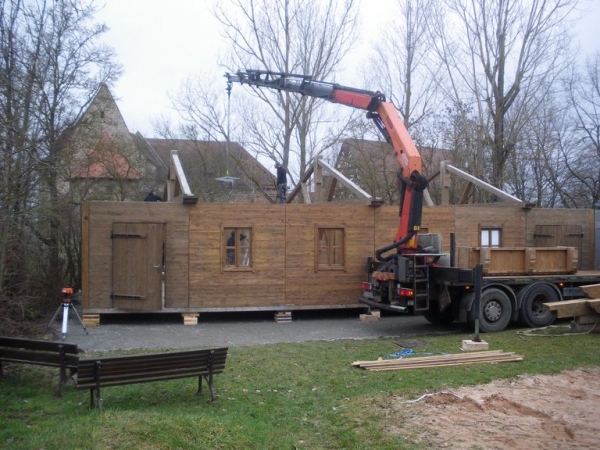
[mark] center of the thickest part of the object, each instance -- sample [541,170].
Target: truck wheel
[532,312]
[495,311]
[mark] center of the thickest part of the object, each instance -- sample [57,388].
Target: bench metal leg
[212,389]
[98,401]
[63,378]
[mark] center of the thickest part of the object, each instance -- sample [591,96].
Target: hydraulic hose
[392,246]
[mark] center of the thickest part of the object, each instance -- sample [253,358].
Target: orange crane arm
[385,117]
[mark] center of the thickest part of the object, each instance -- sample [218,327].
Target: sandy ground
[530,412]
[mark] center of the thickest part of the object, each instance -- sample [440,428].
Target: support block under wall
[91,320]
[190,319]
[283,316]
[474,346]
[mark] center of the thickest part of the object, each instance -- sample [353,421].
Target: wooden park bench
[94,374]
[43,353]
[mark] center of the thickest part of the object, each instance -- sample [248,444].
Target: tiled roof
[105,161]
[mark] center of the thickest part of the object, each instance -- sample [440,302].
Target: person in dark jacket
[281,182]
[231,251]
[152,197]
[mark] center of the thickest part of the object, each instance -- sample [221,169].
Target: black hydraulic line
[392,246]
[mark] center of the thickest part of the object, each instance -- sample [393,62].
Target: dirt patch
[541,411]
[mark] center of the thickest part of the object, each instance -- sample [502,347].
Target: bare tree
[582,158]
[496,53]
[291,36]
[403,62]
[50,65]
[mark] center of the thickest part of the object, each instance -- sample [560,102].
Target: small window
[102,114]
[237,247]
[491,237]
[330,248]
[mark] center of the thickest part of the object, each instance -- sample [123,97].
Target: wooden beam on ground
[575,308]
[591,290]
[492,356]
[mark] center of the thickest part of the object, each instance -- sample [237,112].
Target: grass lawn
[281,396]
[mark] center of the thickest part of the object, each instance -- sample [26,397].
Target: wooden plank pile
[492,356]
[585,311]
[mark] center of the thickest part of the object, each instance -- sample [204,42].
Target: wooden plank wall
[212,287]
[97,223]
[283,274]
[308,285]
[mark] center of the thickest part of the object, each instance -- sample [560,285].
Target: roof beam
[178,188]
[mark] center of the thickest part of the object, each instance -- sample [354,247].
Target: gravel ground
[237,329]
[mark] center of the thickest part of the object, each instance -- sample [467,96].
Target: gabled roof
[214,158]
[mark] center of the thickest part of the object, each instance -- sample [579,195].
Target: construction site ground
[533,411]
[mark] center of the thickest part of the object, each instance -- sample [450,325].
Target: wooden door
[138,266]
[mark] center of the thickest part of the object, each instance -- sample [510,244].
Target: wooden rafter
[178,189]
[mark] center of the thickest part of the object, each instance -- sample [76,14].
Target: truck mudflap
[385,306]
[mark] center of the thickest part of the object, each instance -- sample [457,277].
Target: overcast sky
[161,43]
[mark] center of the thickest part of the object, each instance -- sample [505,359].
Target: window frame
[237,248]
[319,267]
[489,230]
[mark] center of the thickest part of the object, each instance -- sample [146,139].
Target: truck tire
[495,313]
[532,312]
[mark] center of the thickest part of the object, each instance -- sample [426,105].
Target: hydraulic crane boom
[385,117]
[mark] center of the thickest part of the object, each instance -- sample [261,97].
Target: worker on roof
[281,182]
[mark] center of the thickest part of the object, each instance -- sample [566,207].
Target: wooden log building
[206,257]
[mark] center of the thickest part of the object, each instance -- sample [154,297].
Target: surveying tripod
[66,305]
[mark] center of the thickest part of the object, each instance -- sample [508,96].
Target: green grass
[282,396]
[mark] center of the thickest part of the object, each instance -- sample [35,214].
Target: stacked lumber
[492,356]
[575,308]
[585,311]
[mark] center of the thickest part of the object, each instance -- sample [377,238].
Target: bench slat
[131,359]
[148,372]
[40,358]
[124,364]
[32,344]
[118,380]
